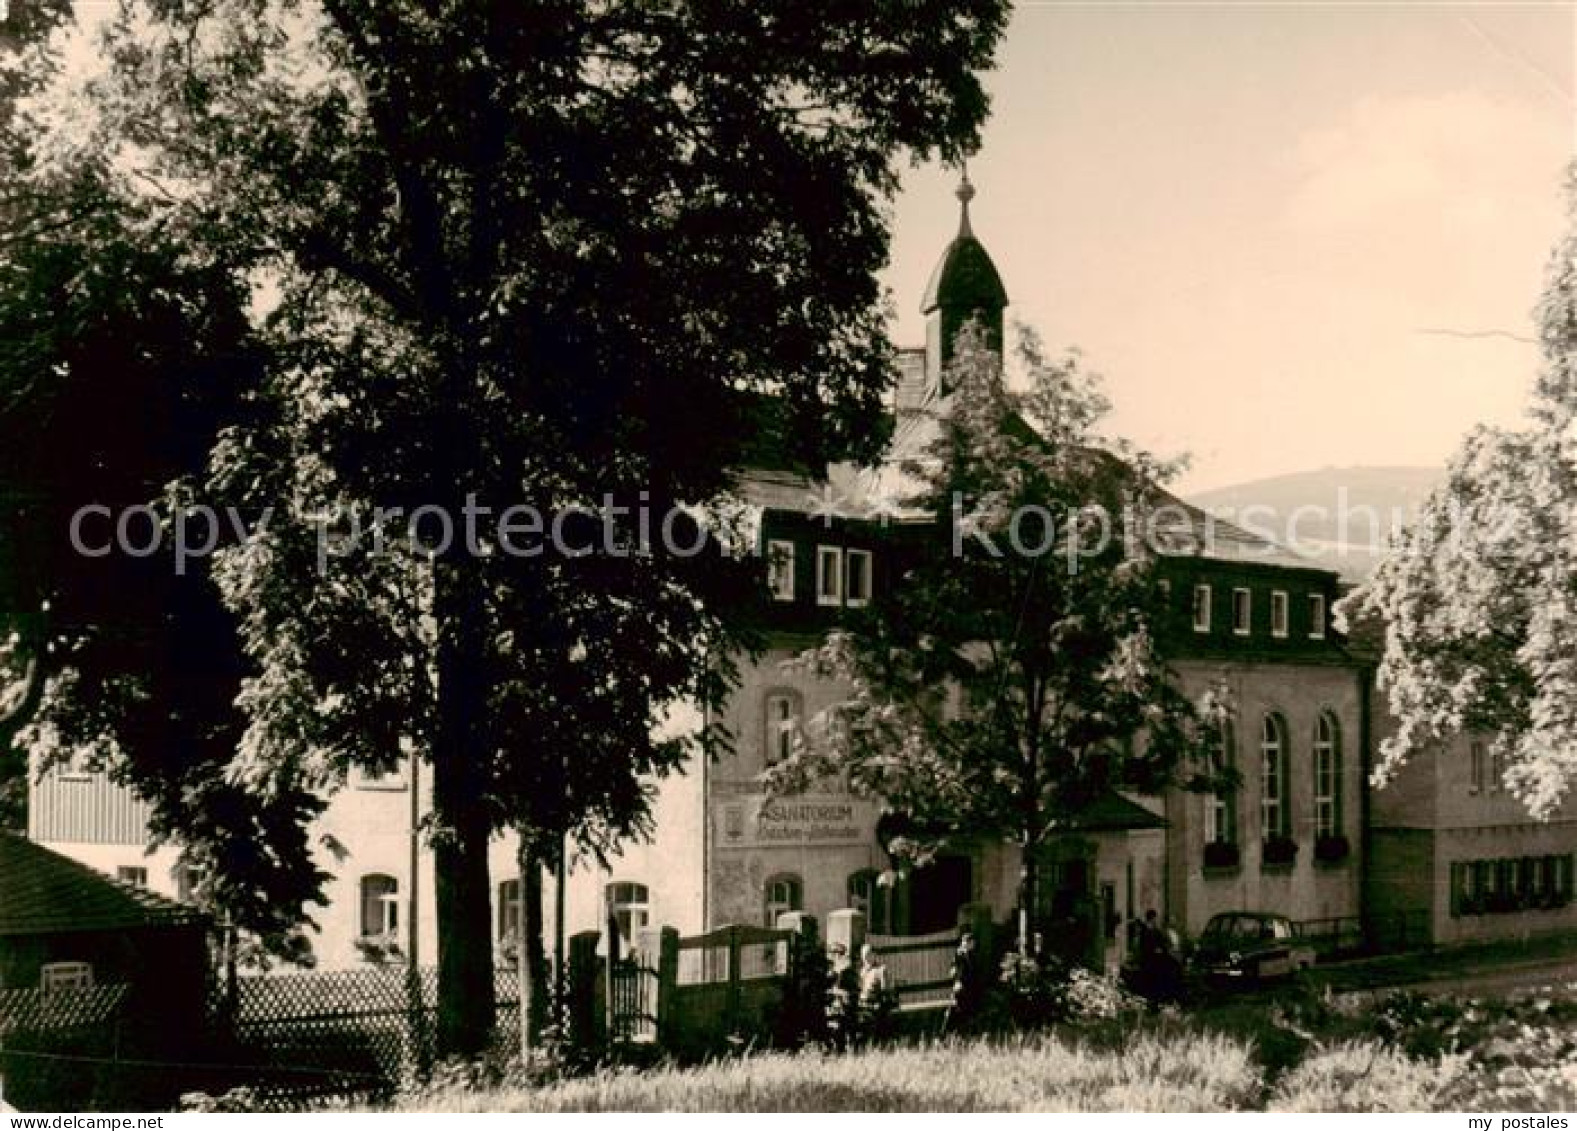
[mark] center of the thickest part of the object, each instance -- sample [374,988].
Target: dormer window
[1242,612]
[857,590]
[1201,608]
[1316,616]
[780,570]
[829,575]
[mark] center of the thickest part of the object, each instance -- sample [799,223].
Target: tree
[1476,600]
[1010,677]
[120,359]
[502,254]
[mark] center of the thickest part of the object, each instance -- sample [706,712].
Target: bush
[1034,990]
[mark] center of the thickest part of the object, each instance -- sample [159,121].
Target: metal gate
[632,1001]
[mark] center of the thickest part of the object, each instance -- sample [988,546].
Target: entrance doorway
[938,891]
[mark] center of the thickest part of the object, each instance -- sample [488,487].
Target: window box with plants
[1222,856]
[1332,848]
[1279,851]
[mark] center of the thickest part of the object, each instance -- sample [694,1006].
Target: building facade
[1290,837]
[1452,847]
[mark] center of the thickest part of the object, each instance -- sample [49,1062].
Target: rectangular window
[1497,769]
[1325,823]
[380,906]
[1316,616]
[780,570]
[132,874]
[782,727]
[857,591]
[1476,768]
[54,976]
[1278,613]
[1242,612]
[1270,800]
[1201,608]
[829,575]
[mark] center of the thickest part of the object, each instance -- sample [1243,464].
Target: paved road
[1504,980]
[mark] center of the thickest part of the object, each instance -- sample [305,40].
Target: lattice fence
[34,1010]
[346,1033]
[58,1048]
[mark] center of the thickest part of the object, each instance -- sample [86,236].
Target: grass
[1319,1051]
[1155,1072]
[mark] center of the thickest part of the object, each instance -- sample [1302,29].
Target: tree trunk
[466,1007]
[1028,889]
[533,950]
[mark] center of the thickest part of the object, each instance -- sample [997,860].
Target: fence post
[846,928]
[731,1009]
[585,1015]
[804,1010]
[660,951]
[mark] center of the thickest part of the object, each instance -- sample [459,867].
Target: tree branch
[14,718]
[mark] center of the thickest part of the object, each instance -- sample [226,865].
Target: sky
[1257,220]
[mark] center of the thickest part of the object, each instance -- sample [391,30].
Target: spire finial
[965,193]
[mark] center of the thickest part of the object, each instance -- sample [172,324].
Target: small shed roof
[43,892]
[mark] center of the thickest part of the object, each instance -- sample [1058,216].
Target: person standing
[876,996]
[968,986]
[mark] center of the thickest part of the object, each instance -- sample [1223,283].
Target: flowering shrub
[1043,991]
[1097,997]
[1521,1052]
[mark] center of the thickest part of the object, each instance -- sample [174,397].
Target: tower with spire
[964,285]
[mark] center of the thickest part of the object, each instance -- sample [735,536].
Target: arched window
[1273,809]
[783,711]
[1221,810]
[1327,777]
[630,908]
[508,909]
[380,905]
[783,893]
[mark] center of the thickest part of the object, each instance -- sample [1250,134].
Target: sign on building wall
[816,820]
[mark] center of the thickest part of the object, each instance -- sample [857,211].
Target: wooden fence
[919,967]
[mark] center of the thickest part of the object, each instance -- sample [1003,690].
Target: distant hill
[1341,517]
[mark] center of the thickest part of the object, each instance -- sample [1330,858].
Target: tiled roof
[883,493]
[43,892]
[1112,812]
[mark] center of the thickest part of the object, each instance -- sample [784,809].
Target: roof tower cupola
[964,285]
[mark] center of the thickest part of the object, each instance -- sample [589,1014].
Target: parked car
[1250,947]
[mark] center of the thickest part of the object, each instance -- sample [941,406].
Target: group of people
[1156,971]
[860,999]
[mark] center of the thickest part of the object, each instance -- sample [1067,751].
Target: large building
[1453,849]
[1242,612]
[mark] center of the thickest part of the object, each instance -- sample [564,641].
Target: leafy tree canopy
[1477,600]
[1010,677]
[491,254]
